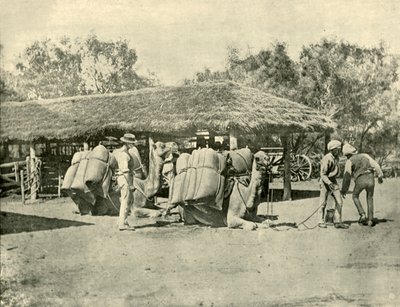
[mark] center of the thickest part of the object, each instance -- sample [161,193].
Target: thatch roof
[167,110]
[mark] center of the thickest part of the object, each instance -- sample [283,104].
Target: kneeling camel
[239,208]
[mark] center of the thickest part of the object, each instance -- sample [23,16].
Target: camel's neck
[253,191]
[153,181]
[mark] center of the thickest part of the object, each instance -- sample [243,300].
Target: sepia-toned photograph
[199,153]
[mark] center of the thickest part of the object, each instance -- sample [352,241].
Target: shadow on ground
[165,221]
[277,194]
[377,221]
[16,223]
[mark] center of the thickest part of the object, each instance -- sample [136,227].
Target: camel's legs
[144,212]
[234,221]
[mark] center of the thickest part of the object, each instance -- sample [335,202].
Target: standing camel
[239,209]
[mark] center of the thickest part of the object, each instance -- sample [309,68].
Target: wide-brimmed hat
[349,150]
[334,144]
[129,138]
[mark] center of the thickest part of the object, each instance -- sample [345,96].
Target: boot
[126,226]
[363,219]
[329,217]
[341,225]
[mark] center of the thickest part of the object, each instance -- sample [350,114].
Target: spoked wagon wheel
[300,168]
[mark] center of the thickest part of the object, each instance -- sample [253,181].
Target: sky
[176,38]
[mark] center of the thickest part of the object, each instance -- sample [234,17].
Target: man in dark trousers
[361,166]
[329,185]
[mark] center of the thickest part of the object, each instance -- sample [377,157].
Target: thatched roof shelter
[182,110]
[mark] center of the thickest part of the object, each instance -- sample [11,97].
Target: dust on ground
[53,257]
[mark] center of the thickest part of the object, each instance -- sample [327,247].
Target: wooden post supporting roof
[22,187]
[34,184]
[287,186]
[233,144]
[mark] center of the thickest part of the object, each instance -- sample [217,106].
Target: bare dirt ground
[52,257]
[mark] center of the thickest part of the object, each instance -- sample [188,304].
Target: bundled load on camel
[88,181]
[220,189]
[241,162]
[99,170]
[200,177]
[72,175]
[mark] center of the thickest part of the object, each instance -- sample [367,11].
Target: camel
[169,171]
[146,189]
[239,209]
[101,196]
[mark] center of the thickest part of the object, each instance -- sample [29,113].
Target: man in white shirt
[125,177]
[329,185]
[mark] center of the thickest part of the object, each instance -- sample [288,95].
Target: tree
[208,76]
[78,67]
[351,84]
[383,140]
[8,84]
[270,70]
[109,67]
[50,69]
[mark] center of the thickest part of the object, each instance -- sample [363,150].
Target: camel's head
[160,150]
[173,152]
[261,162]
[172,146]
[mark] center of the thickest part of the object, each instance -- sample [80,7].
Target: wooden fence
[10,174]
[22,176]
[42,170]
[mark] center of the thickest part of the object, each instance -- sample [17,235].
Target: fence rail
[10,174]
[23,176]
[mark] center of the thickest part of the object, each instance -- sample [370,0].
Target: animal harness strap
[240,193]
[135,185]
[138,168]
[246,173]
[198,167]
[139,160]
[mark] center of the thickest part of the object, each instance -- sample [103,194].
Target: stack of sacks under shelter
[88,181]
[200,178]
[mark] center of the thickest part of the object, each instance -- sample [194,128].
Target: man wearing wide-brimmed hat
[329,185]
[125,177]
[361,166]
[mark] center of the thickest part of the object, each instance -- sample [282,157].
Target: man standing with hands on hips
[125,177]
[361,166]
[329,185]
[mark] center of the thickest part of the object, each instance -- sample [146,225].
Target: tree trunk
[287,185]
[327,136]
[360,146]
[363,134]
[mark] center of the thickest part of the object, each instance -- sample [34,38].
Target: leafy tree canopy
[270,70]
[67,67]
[8,83]
[353,85]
